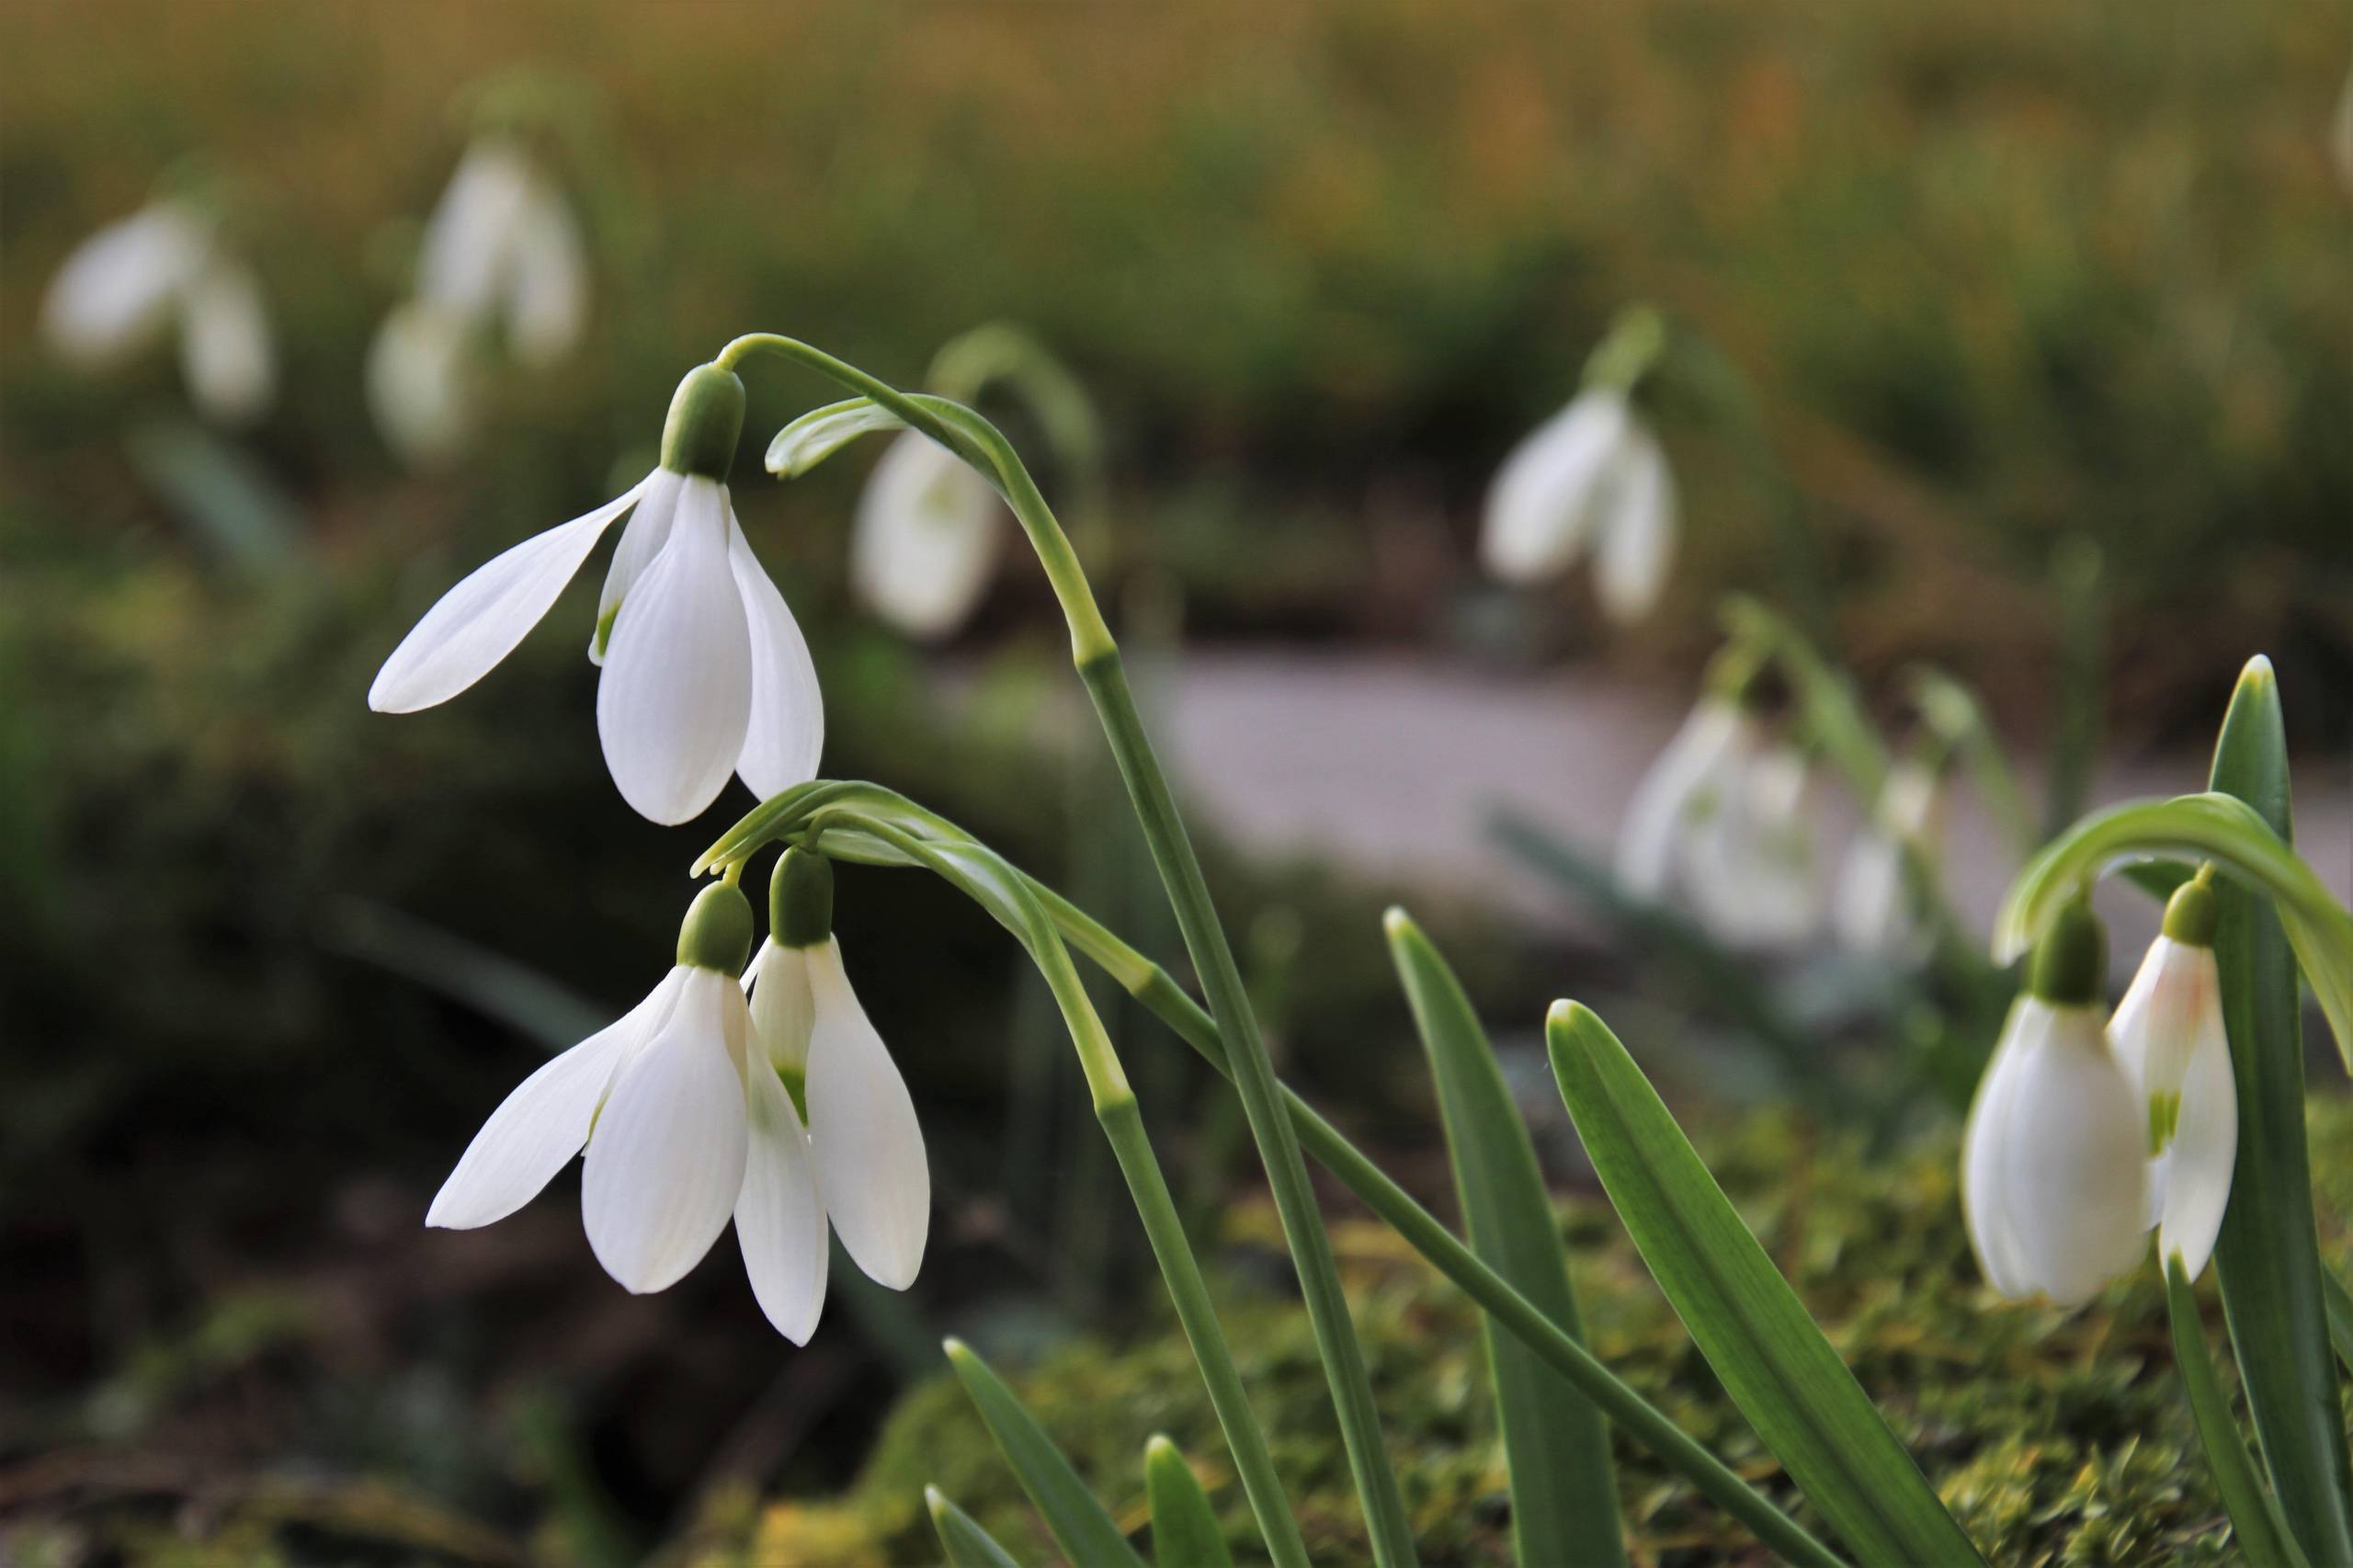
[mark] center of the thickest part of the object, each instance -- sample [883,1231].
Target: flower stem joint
[706,422]
[717,932]
[801,900]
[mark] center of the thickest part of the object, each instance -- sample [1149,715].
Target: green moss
[2057,1438]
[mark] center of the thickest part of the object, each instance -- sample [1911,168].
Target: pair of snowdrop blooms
[1592,477]
[502,261]
[2088,1131]
[168,265]
[690,1109]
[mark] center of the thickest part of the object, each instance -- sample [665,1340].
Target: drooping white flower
[502,252]
[1751,866]
[421,382]
[862,1162]
[658,1101]
[926,540]
[1688,784]
[1875,909]
[2169,1034]
[2053,1174]
[1593,476]
[705,672]
[131,282]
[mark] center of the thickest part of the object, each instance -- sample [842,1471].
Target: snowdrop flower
[1689,782]
[2168,1033]
[860,1163]
[704,671]
[502,251]
[129,283]
[2054,1173]
[421,376]
[926,540]
[1875,909]
[1752,862]
[657,1099]
[1592,476]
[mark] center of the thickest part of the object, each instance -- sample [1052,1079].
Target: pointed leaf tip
[1395,922]
[2257,671]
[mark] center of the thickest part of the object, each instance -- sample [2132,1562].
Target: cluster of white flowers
[169,265]
[691,1111]
[2088,1133]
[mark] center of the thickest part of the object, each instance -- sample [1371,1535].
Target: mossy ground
[2056,1437]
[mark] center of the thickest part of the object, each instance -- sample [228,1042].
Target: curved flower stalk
[2054,1186]
[168,266]
[657,1100]
[1593,477]
[704,669]
[2169,1034]
[1876,909]
[859,1162]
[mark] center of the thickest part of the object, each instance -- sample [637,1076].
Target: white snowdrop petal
[1702,759]
[1637,537]
[665,1163]
[116,292]
[469,241]
[675,696]
[927,536]
[547,287]
[2205,1148]
[862,1126]
[779,1217]
[420,382]
[225,352]
[784,1008]
[1539,513]
[1751,873]
[643,537]
[2072,1139]
[537,1129]
[786,733]
[1985,1192]
[479,622]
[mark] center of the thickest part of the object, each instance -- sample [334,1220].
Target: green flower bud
[717,933]
[2069,964]
[706,421]
[801,900]
[2190,912]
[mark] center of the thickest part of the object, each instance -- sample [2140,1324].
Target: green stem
[1098,658]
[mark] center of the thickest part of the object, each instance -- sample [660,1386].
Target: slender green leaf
[222,493]
[1080,1527]
[961,1536]
[1184,1527]
[1563,1491]
[819,433]
[1826,700]
[1767,1353]
[2266,1257]
[2339,1303]
[2255,1518]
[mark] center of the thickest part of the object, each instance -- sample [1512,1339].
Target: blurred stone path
[1390,764]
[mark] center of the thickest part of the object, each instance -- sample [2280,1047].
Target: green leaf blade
[2266,1258]
[2261,1534]
[1185,1532]
[961,1536]
[1079,1524]
[819,433]
[1771,1358]
[1563,1488]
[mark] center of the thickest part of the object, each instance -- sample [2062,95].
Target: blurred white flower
[421,382]
[131,282]
[1591,476]
[1875,909]
[502,251]
[2169,1036]
[1751,867]
[926,538]
[2054,1183]
[705,671]
[1685,788]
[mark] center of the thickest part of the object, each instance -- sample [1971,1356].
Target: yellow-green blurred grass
[2002,272]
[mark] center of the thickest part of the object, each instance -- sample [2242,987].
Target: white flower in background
[502,251]
[926,538]
[421,376]
[1593,476]
[1875,909]
[2169,1034]
[1751,867]
[127,285]
[657,1099]
[860,1162]
[2054,1183]
[704,670]
[1685,788]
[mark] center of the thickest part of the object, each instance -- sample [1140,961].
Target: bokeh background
[2005,280]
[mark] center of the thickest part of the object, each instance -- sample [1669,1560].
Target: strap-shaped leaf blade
[1185,1532]
[1079,1524]
[961,1536]
[1771,1358]
[1564,1489]
[819,433]
[2262,1534]
[2266,1257]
